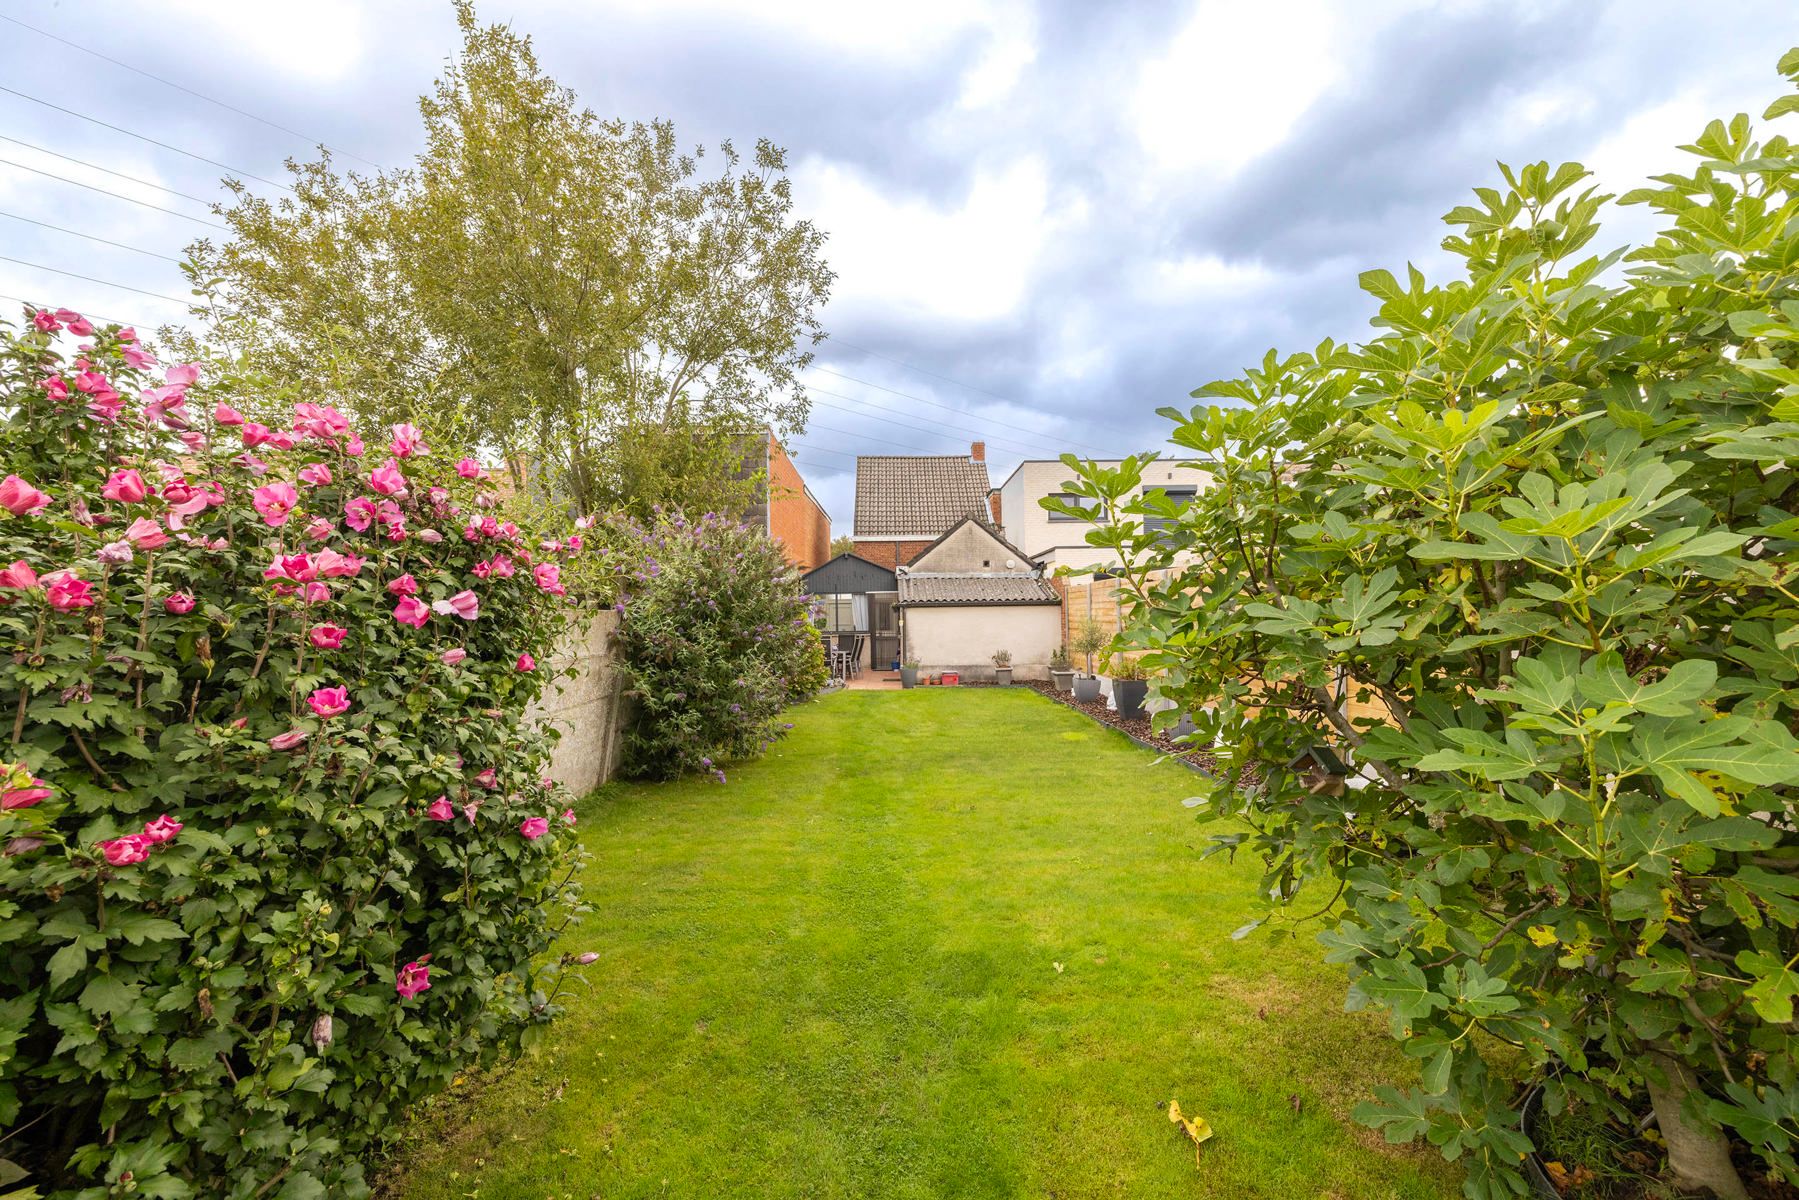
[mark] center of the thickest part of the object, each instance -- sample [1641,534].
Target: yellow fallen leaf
[1197,1128]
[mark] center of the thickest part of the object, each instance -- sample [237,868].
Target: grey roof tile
[976,589]
[918,495]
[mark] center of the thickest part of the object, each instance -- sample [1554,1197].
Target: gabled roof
[961,590]
[985,527]
[848,573]
[917,495]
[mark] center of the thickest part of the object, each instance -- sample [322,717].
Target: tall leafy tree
[607,315]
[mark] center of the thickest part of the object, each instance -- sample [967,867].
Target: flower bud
[321,1031]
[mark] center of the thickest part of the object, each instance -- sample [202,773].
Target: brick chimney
[978,451]
[993,506]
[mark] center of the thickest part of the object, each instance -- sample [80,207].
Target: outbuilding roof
[917,495]
[960,590]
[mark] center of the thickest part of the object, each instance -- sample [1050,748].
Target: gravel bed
[1137,728]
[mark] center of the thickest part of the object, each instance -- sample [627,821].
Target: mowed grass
[939,943]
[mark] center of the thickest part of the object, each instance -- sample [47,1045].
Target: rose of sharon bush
[241,802]
[717,637]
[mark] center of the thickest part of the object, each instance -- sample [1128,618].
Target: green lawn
[940,943]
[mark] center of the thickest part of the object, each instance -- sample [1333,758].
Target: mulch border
[1192,758]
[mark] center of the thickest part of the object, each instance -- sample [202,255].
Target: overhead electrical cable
[954,409]
[1019,446]
[190,91]
[211,162]
[107,170]
[104,320]
[89,236]
[115,195]
[190,302]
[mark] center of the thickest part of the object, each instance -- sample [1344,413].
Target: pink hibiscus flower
[413,978]
[329,702]
[275,501]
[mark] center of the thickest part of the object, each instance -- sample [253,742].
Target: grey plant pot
[1086,688]
[908,677]
[1183,727]
[1002,676]
[1129,695]
[1064,680]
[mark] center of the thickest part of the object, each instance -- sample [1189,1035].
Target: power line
[902,424]
[910,367]
[190,91]
[115,195]
[211,162]
[954,409]
[108,170]
[188,303]
[1020,446]
[96,316]
[90,237]
[879,441]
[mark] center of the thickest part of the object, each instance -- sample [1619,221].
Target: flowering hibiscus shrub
[717,639]
[276,855]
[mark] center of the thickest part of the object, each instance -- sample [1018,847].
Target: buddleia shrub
[716,638]
[277,856]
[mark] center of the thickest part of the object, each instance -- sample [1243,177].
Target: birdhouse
[1324,773]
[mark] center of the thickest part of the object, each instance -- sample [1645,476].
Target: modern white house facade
[1054,540]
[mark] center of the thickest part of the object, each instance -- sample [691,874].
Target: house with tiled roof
[971,594]
[905,502]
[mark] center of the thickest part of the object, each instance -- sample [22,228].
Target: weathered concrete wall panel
[588,704]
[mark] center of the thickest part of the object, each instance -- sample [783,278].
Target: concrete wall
[963,638]
[1031,529]
[588,704]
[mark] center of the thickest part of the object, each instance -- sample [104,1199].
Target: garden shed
[859,597]
[972,593]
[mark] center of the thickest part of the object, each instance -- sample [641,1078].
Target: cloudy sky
[1047,219]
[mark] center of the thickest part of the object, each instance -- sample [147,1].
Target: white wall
[964,638]
[1027,526]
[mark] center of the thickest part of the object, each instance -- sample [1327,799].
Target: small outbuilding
[859,598]
[971,594]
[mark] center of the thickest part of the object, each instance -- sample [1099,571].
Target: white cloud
[879,30]
[1234,81]
[1011,47]
[319,41]
[1206,275]
[903,256]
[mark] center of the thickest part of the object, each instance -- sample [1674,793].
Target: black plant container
[1129,695]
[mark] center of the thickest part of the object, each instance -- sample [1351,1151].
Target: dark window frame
[1064,518]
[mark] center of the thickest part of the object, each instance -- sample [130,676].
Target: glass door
[883,625]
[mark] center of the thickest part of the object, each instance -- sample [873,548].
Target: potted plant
[1060,671]
[1130,686]
[908,674]
[1089,639]
[1002,667]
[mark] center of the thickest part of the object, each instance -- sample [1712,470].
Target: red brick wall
[794,517]
[891,554]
